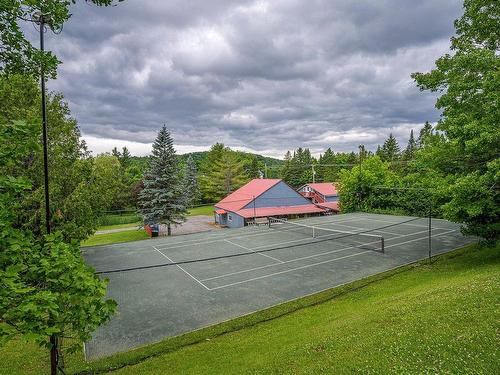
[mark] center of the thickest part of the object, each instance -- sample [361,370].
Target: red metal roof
[220,212]
[324,188]
[331,205]
[274,211]
[245,194]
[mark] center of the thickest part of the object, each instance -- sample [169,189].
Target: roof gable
[245,194]
[324,188]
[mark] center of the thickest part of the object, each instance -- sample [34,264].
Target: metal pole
[53,338]
[360,174]
[430,233]
[44,132]
[265,170]
[313,173]
[254,212]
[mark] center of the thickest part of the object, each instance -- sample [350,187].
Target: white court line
[220,236]
[182,269]
[380,220]
[267,232]
[326,261]
[410,224]
[284,262]
[221,239]
[290,270]
[362,229]
[302,258]
[253,252]
[423,238]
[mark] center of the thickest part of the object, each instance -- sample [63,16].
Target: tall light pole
[41,22]
[43,19]
[361,149]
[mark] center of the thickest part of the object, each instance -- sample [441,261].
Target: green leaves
[17,54]
[476,202]
[45,286]
[469,81]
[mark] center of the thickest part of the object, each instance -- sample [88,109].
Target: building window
[229,218]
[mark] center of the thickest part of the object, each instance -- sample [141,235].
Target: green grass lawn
[439,318]
[130,221]
[116,237]
[120,226]
[201,210]
[125,218]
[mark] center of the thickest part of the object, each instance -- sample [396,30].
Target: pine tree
[206,187]
[296,168]
[285,171]
[162,200]
[328,173]
[390,149]
[411,147]
[191,189]
[116,153]
[227,175]
[252,169]
[425,133]
[125,158]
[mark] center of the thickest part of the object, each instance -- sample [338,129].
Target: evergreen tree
[330,173]
[191,189]
[352,158]
[411,147]
[390,149]
[162,199]
[206,166]
[227,175]
[425,133]
[125,158]
[116,153]
[363,154]
[296,168]
[286,170]
[252,169]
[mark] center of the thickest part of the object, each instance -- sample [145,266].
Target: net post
[382,242]
[430,234]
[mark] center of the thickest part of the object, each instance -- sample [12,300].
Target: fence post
[430,233]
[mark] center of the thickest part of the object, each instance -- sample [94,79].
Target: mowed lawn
[440,318]
[201,210]
[132,235]
[115,237]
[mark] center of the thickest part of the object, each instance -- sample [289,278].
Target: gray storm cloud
[263,76]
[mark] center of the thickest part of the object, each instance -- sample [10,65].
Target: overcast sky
[264,76]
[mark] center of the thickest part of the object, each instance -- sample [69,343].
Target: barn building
[261,198]
[322,194]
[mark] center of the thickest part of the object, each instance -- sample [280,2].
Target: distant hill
[199,156]
[273,164]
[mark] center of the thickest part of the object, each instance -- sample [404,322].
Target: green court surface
[245,270]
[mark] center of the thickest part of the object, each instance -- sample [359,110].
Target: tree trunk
[53,355]
[169,230]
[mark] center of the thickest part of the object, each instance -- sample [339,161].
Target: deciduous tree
[468,80]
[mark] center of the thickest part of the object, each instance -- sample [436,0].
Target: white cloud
[268,76]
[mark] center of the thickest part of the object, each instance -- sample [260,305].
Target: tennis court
[200,279]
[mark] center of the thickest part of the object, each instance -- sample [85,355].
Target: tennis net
[361,240]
